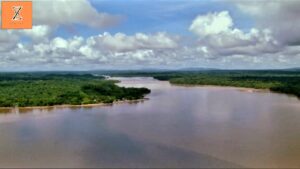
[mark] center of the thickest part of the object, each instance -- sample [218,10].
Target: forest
[282,81]
[47,89]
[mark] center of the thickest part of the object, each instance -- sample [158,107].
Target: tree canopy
[56,89]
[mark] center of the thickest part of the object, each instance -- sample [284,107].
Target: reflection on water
[176,127]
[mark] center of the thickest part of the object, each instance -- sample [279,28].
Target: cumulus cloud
[39,48]
[49,15]
[104,49]
[8,41]
[37,33]
[271,43]
[121,42]
[66,12]
[280,16]
[212,23]
[217,35]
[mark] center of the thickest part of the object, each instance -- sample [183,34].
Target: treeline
[282,81]
[56,89]
[46,76]
[278,82]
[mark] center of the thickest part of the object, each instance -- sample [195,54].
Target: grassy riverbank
[38,89]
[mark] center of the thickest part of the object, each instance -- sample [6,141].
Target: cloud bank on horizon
[82,34]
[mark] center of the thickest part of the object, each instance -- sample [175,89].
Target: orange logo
[16,14]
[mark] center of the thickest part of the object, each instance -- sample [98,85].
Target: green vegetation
[44,89]
[283,81]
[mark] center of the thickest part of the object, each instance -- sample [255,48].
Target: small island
[48,89]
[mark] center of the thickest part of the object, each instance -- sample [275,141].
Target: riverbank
[277,89]
[275,82]
[7,109]
[243,89]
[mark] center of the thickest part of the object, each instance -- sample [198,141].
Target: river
[176,127]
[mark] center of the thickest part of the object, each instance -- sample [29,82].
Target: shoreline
[244,89]
[76,106]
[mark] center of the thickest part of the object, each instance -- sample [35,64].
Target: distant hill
[196,69]
[293,69]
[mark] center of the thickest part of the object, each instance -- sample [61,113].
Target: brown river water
[176,127]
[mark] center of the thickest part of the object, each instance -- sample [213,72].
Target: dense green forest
[283,81]
[46,89]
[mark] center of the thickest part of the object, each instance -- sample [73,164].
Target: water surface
[176,127]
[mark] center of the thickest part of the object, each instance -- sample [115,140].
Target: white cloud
[101,50]
[37,33]
[217,34]
[280,16]
[264,46]
[8,41]
[59,43]
[121,42]
[212,23]
[49,15]
[66,12]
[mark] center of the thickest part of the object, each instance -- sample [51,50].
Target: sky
[165,34]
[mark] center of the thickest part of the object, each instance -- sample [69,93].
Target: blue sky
[172,16]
